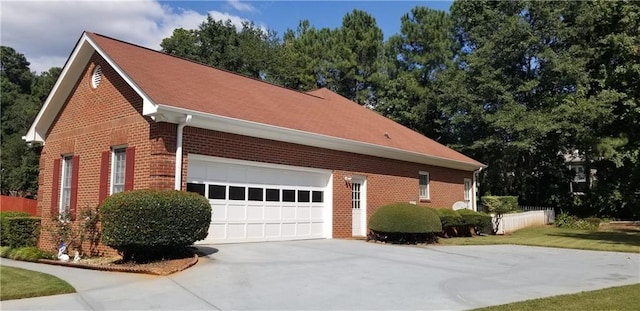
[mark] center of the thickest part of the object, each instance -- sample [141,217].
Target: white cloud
[240,6]
[46,31]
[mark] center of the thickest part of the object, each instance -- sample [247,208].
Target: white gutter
[178,176]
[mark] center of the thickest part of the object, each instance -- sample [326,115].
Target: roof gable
[172,87]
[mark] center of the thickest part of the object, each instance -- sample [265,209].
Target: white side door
[359,207]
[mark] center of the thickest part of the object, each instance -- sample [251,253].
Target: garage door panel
[236,231]
[255,231]
[272,212]
[220,210]
[272,230]
[317,228]
[302,212]
[255,212]
[288,230]
[316,213]
[235,212]
[303,229]
[288,212]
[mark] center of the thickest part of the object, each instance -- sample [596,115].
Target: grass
[614,298]
[16,283]
[614,240]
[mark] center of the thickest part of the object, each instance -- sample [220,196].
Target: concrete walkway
[343,275]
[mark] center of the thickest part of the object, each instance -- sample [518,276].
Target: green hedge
[4,216]
[475,219]
[449,217]
[404,223]
[500,204]
[3,223]
[146,224]
[21,231]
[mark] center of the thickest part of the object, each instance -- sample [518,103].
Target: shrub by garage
[154,224]
[451,222]
[404,223]
[473,222]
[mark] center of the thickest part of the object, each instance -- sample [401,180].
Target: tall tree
[249,51]
[355,51]
[22,95]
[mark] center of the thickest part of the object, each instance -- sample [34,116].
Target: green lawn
[614,298]
[16,283]
[627,240]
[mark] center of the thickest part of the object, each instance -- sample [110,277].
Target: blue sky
[280,15]
[46,31]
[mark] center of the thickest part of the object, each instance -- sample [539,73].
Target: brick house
[275,164]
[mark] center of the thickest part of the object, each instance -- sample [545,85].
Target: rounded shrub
[404,223]
[475,220]
[147,224]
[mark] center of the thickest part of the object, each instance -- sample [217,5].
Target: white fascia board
[66,82]
[254,129]
[60,92]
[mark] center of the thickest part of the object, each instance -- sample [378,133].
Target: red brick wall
[93,121]
[388,181]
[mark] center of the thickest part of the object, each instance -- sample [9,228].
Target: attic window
[96,77]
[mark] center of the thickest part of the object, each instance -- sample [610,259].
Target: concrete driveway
[345,275]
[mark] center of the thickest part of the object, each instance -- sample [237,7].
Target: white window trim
[67,160]
[427,186]
[468,195]
[113,167]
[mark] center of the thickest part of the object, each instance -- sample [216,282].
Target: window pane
[255,194]
[273,195]
[303,195]
[197,188]
[317,196]
[217,192]
[236,193]
[117,178]
[67,167]
[288,195]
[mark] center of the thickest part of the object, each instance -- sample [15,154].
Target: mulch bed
[160,267]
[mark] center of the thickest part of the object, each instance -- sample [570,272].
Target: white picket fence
[512,222]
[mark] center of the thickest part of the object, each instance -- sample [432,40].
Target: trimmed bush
[451,221]
[404,223]
[150,224]
[3,218]
[449,217]
[500,204]
[21,231]
[474,220]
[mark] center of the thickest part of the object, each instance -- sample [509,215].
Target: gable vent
[97,76]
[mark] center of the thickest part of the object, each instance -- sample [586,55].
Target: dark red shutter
[129,168]
[73,201]
[55,189]
[104,177]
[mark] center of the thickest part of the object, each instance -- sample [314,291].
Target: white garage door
[259,202]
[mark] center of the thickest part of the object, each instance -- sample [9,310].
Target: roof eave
[254,129]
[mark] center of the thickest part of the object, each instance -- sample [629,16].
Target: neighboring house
[577,163]
[276,164]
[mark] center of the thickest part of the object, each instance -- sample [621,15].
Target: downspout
[178,176]
[475,188]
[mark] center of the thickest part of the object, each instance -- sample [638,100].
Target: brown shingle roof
[173,81]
